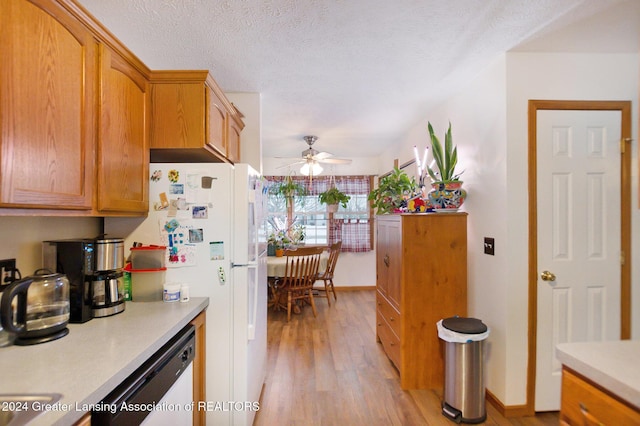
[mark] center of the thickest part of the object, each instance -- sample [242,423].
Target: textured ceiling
[357,73]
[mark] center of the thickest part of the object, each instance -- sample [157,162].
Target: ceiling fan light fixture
[313,169]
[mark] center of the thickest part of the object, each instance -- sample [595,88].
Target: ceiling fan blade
[291,164]
[334,161]
[322,155]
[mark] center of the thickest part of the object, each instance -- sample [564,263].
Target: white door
[578,213]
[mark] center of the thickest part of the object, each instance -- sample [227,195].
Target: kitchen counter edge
[611,365]
[95,357]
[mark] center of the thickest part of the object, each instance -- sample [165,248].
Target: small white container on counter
[171,292]
[184,293]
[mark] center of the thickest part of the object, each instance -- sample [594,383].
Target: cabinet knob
[392,319]
[386,260]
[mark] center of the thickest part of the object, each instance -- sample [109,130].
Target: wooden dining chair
[300,274]
[327,275]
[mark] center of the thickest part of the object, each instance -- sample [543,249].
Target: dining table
[276,266]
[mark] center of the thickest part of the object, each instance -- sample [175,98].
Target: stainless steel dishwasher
[158,392]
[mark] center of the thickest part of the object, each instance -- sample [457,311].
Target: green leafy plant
[392,191]
[446,158]
[288,188]
[334,196]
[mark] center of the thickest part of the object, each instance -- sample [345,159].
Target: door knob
[547,276]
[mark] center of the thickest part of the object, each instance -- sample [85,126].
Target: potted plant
[447,192]
[289,189]
[333,197]
[392,192]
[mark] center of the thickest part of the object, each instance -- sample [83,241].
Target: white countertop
[613,365]
[89,362]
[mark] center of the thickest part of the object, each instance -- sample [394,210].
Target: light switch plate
[489,246]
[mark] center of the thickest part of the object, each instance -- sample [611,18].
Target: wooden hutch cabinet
[421,265]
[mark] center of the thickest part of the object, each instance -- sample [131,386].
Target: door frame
[625,222]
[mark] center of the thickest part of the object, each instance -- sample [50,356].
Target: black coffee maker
[75,259]
[94,269]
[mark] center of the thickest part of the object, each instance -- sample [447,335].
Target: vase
[279,252]
[271,250]
[447,196]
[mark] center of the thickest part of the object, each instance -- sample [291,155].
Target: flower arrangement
[283,235]
[279,239]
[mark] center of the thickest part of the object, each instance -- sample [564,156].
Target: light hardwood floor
[330,370]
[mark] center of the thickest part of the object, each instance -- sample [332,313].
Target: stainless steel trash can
[464,390]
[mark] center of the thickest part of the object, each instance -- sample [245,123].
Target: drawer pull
[589,418]
[386,260]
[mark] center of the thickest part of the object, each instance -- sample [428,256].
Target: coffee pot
[41,311]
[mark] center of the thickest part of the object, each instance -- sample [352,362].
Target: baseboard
[355,288]
[507,411]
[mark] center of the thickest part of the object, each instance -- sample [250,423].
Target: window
[351,225]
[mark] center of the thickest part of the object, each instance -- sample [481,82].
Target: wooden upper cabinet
[189,119]
[216,121]
[233,139]
[123,143]
[48,81]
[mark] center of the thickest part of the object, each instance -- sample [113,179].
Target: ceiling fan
[312,158]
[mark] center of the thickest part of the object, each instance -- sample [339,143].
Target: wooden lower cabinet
[199,368]
[421,268]
[585,403]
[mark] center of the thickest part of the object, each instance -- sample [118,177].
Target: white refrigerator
[208,215]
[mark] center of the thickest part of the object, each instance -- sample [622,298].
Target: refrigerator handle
[251,328]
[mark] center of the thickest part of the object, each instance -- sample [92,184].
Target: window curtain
[355,234]
[352,185]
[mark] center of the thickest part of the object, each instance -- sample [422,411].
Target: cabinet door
[48,78]
[233,141]
[177,117]
[216,123]
[389,260]
[382,257]
[123,145]
[394,248]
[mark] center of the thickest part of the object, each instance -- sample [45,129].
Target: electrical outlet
[7,271]
[489,246]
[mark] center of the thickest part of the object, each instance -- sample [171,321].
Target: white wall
[250,105]
[489,125]
[478,125]
[22,236]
